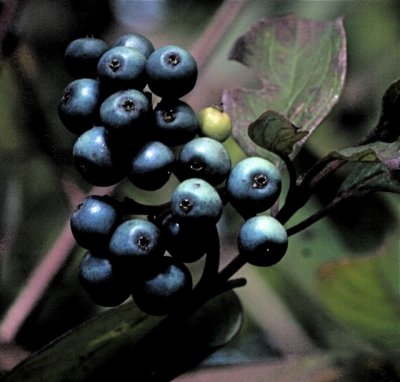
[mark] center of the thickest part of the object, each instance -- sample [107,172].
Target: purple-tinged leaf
[387,153]
[301,65]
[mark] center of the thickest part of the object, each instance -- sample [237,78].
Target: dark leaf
[275,133]
[388,128]
[378,168]
[301,65]
[125,344]
[371,177]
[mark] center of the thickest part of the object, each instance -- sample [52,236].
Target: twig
[203,48]
[316,216]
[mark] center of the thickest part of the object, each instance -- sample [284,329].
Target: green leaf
[363,294]
[301,65]
[275,133]
[125,344]
[388,127]
[371,177]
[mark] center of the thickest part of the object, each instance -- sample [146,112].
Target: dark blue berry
[253,185]
[175,122]
[204,158]
[171,72]
[164,285]
[78,106]
[82,55]
[98,158]
[126,112]
[104,286]
[262,240]
[151,166]
[187,243]
[136,41]
[94,221]
[197,202]
[122,68]
[134,240]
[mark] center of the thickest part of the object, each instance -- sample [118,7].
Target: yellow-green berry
[215,123]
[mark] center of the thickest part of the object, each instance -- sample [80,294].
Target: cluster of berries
[120,134]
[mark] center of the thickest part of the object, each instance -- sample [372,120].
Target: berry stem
[319,214]
[211,264]
[131,206]
[291,194]
[231,268]
[232,283]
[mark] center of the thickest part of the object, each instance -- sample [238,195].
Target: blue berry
[104,286]
[78,106]
[171,72]
[98,159]
[126,111]
[164,285]
[94,221]
[136,41]
[175,122]
[122,68]
[204,158]
[262,240]
[253,185]
[151,166]
[82,55]
[196,201]
[134,240]
[184,242]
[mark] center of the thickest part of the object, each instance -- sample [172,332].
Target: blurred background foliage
[331,290]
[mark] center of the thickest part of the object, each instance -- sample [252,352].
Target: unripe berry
[215,123]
